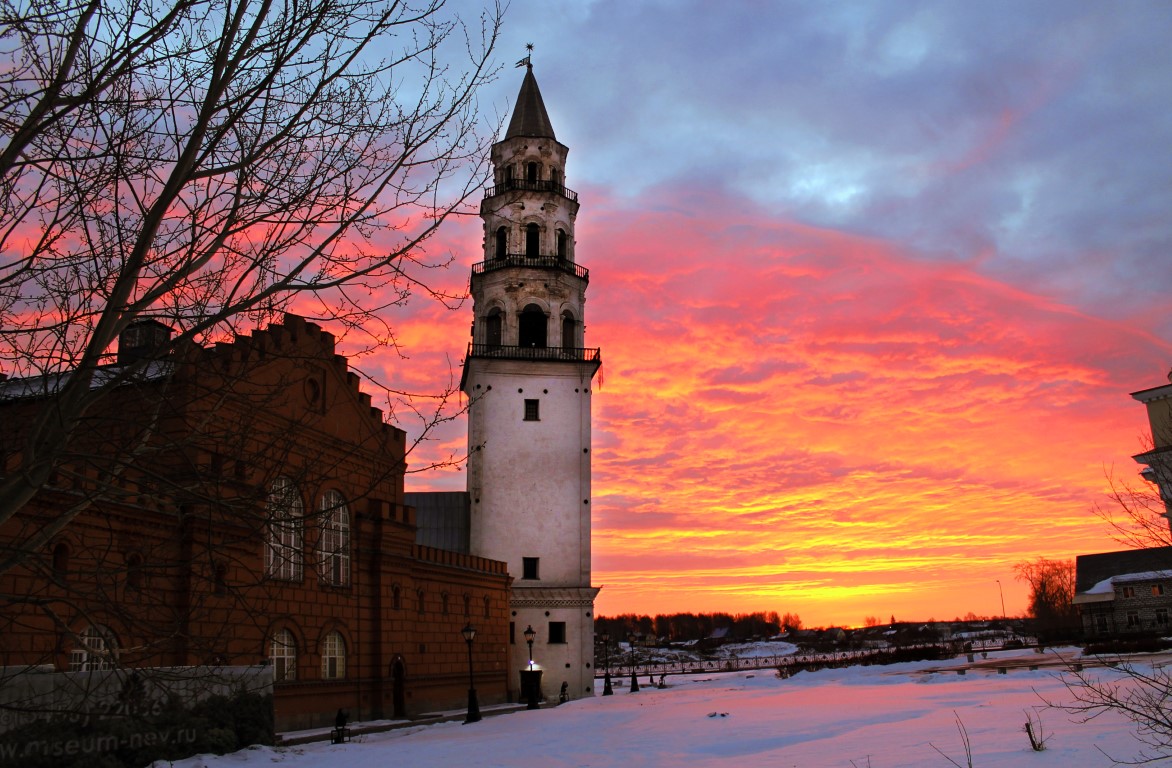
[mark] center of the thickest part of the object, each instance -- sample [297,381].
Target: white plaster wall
[529,481]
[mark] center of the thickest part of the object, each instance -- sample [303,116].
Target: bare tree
[1051,585]
[204,163]
[1136,513]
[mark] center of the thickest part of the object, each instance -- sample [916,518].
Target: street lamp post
[530,633]
[634,679]
[531,678]
[469,633]
[607,690]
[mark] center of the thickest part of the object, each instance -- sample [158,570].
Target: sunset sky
[872,283]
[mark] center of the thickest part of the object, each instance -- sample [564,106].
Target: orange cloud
[805,420]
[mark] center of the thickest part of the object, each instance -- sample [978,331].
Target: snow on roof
[1104,590]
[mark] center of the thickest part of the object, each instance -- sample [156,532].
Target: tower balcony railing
[536,262]
[505,352]
[537,185]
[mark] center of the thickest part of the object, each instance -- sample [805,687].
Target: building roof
[1091,571]
[529,115]
[442,519]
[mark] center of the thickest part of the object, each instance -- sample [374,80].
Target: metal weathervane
[526,62]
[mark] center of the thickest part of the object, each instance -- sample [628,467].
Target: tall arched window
[95,650]
[562,247]
[555,179]
[333,657]
[283,543]
[532,240]
[492,328]
[61,561]
[532,332]
[333,548]
[502,242]
[531,172]
[569,331]
[283,656]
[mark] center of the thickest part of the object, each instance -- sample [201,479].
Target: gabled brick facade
[177,546]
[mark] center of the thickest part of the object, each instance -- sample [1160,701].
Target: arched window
[333,548]
[283,543]
[396,597]
[467,606]
[444,603]
[422,603]
[502,242]
[61,561]
[283,656]
[220,578]
[531,172]
[569,331]
[96,649]
[555,179]
[508,176]
[134,571]
[333,657]
[533,327]
[492,328]
[561,244]
[487,603]
[532,240]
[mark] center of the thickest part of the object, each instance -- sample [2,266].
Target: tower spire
[529,116]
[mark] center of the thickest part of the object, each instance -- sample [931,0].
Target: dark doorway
[561,243]
[532,240]
[533,327]
[531,172]
[568,328]
[398,689]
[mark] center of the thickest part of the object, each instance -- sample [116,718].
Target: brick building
[242,504]
[1125,594]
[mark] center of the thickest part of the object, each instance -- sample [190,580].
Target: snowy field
[882,717]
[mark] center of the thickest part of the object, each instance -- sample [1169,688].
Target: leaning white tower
[528,379]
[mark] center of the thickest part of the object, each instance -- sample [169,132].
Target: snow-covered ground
[879,716]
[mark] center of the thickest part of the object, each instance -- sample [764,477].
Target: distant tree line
[681,627]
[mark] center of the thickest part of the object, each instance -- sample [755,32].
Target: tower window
[561,243]
[531,172]
[502,242]
[532,332]
[532,240]
[529,567]
[557,632]
[492,329]
[532,411]
[555,178]
[568,328]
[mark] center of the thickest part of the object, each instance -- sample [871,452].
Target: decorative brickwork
[194,506]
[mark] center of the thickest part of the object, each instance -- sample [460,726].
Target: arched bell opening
[493,323]
[502,243]
[532,240]
[569,331]
[562,244]
[532,332]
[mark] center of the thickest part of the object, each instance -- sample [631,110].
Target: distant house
[1124,594]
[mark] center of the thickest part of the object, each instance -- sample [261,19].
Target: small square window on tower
[529,567]
[532,410]
[557,632]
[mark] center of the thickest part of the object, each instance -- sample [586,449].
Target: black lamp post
[469,633]
[634,680]
[530,633]
[531,678]
[607,690]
